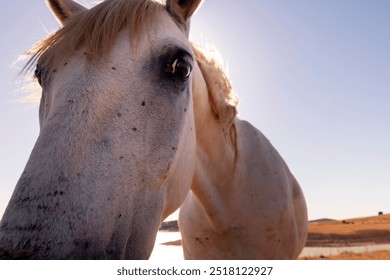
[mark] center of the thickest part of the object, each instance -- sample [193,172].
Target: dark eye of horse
[181,68]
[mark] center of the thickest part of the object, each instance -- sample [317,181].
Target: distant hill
[171,226]
[323,220]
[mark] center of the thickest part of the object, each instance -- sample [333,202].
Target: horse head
[116,148]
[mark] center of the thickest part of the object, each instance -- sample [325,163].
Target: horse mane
[95,29]
[223,100]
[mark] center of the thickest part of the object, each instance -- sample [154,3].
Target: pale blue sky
[314,76]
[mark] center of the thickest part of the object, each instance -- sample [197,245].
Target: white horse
[132,115]
[116,149]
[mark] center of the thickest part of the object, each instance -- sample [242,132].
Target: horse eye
[181,68]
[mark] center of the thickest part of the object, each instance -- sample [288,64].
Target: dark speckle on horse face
[62,179]
[106,143]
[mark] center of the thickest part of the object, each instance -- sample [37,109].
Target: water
[332,251]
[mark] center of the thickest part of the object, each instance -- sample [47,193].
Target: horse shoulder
[280,201]
[261,164]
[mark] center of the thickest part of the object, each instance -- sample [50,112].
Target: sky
[313,76]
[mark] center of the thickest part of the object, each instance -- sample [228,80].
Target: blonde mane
[95,30]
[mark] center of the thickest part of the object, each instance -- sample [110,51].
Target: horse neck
[216,155]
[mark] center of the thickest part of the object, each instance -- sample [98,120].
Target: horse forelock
[95,30]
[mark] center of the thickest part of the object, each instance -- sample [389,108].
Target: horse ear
[64,9]
[182,10]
